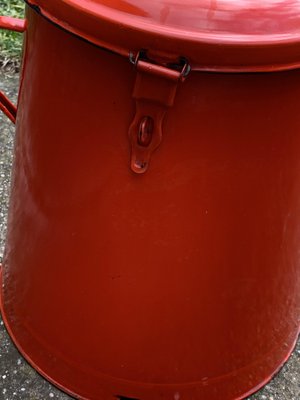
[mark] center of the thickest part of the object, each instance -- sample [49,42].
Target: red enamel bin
[153,246]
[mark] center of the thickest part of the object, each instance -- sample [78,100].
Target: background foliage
[11,42]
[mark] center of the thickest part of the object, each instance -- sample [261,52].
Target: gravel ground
[17,379]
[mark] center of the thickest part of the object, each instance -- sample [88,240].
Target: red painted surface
[154,91]
[17,25]
[181,283]
[254,34]
[12,24]
[9,109]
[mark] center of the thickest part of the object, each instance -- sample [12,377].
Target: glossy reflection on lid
[229,17]
[187,28]
[226,17]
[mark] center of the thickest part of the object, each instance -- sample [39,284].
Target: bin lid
[214,35]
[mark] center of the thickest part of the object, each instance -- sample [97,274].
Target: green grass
[11,42]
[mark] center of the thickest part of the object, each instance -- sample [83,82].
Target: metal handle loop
[16,25]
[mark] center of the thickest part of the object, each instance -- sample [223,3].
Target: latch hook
[154,91]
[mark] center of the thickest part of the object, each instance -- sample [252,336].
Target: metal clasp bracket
[154,91]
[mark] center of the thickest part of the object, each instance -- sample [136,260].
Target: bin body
[181,283]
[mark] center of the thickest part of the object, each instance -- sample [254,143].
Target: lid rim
[258,42]
[118,18]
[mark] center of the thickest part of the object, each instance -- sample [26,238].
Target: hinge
[154,91]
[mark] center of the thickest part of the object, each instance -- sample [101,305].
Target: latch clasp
[154,91]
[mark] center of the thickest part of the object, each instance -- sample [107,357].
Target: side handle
[16,25]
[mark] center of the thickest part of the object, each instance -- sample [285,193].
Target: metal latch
[154,91]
